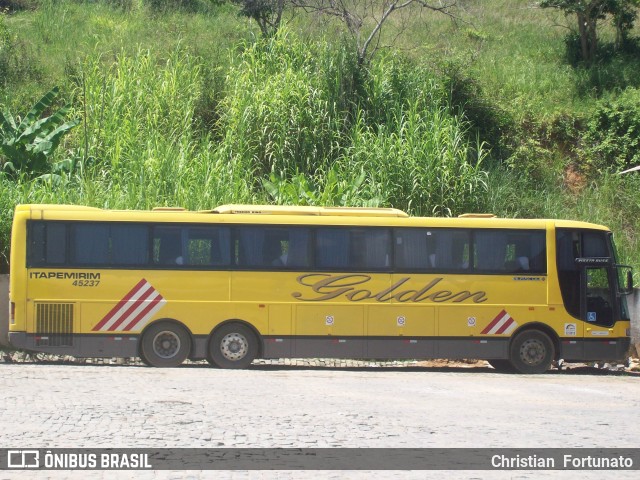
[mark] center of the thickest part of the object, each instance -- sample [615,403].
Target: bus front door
[598,310]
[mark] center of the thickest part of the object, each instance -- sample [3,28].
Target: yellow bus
[242,282]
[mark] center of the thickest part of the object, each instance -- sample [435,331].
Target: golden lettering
[329,287]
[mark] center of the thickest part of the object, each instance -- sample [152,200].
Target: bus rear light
[12,313]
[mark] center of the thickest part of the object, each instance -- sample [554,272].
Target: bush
[15,5]
[17,63]
[613,132]
[5,44]
[191,6]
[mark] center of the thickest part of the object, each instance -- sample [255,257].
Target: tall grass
[397,137]
[282,109]
[143,137]
[423,161]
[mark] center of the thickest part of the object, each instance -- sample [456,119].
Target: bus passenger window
[167,246]
[129,244]
[208,246]
[508,251]
[353,249]
[431,249]
[295,249]
[47,243]
[332,248]
[274,247]
[415,249]
[491,251]
[370,249]
[90,243]
[452,250]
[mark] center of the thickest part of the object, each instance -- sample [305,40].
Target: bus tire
[502,366]
[233,346]
[165,345]
[143,358]
[532,351]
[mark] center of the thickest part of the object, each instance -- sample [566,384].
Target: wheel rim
[166,344]
[234,346]
[533,351]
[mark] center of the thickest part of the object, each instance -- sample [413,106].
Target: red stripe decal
[120,304]
[494,322]
[143,313]
[127,313]
[506,325]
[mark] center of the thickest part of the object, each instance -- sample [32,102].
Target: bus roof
[270,214]
[318,211]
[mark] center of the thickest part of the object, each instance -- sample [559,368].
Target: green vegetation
[28,144]
[185,104]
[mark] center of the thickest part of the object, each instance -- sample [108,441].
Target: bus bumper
[18,340]
[79,345]
[589,350]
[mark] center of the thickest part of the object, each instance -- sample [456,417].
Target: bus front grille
[54,324]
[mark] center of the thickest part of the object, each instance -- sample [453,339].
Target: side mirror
[629,281]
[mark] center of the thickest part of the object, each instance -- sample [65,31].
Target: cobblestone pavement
[62,405]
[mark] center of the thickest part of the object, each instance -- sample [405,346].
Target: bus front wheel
[165,345]
[532,351]
[502,366]
[233,346]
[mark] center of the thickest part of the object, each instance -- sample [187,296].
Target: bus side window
[370,249]
[273,248]
[491,247]
[414,249]
[508,251]
[167,246]
[208,246]
[90,244]
[452,250]
[47,243]
[332,248]
[129,244]
[298,252]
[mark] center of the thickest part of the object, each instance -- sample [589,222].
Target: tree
[588,12]
[266,13]
[364,19]
[623,19]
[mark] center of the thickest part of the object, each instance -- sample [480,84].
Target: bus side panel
[401,331]
[329,331]
[279,341]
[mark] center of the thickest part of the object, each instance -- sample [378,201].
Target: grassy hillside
[189,106]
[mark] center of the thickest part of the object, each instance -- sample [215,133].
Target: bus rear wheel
[165,345]
[532,351]
[233,346]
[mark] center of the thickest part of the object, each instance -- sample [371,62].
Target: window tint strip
[283,247]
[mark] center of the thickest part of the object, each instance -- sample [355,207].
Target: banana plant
[27,144]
